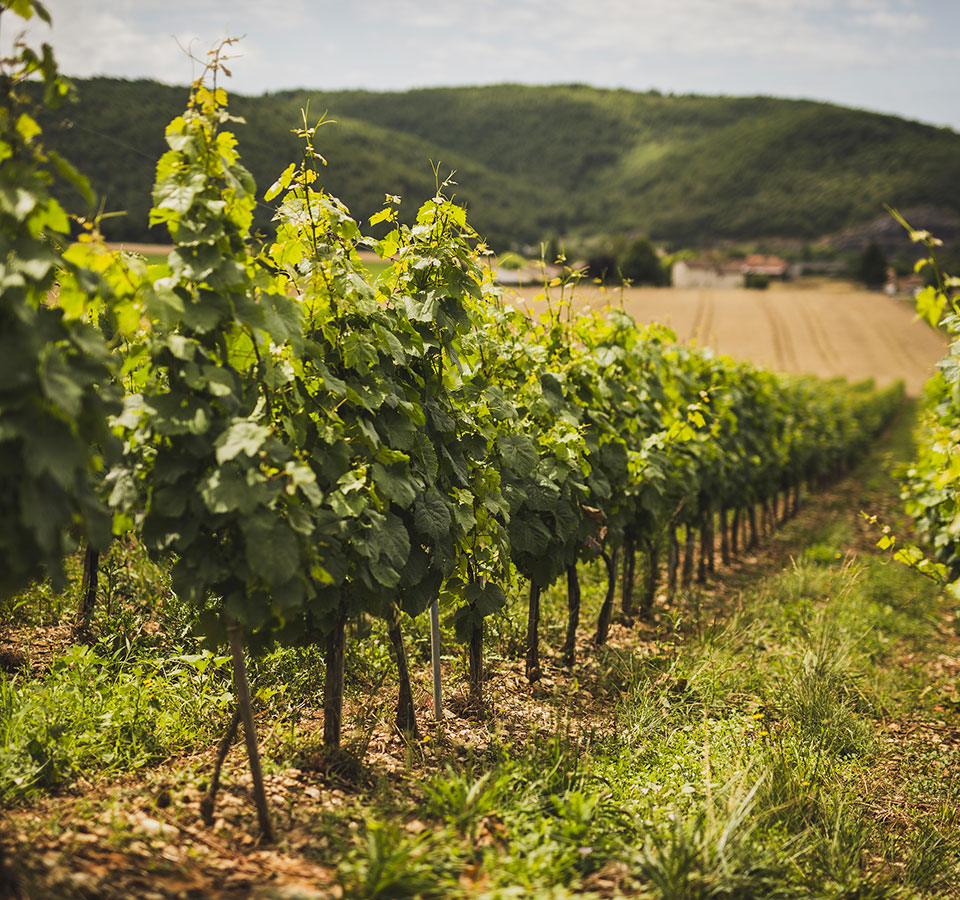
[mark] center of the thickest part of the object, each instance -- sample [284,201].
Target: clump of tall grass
[105,713]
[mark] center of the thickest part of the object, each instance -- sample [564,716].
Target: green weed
[93,713]
[391,863]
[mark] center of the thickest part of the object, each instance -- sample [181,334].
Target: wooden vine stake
[606,611]
[652,578]
[88,591]
[689,551]
[569,651]
[333,684]
[533,634]
[476,665]
[208,803]
[629,569]
[711,566]
[673,560]
[724,536]
[435,659]
[242,688]
[406,713]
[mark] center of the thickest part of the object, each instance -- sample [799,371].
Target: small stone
[150,826]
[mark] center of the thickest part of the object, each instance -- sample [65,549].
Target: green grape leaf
[519,453]
[431,515]
[241,437]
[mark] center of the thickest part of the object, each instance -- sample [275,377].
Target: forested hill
[535,161]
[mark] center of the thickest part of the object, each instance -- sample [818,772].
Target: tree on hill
[872,266]
[641,264]
[603,267]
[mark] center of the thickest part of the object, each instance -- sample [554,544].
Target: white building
[704,273]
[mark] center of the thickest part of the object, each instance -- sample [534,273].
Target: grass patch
[107,714]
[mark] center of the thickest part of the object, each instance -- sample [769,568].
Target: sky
[892,56]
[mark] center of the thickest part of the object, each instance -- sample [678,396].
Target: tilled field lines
[827,332]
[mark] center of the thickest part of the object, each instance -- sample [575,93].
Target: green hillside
[535,161]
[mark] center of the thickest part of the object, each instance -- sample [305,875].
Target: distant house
[513,277]
[758,264]
[824,267]
[526,276]
[705,272]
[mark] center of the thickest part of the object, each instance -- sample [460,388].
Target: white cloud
[93,39]
[148,39]
[823,48]
[893,21]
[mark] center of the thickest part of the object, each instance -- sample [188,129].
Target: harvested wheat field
[828,330]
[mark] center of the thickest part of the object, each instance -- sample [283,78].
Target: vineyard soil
[790,729]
